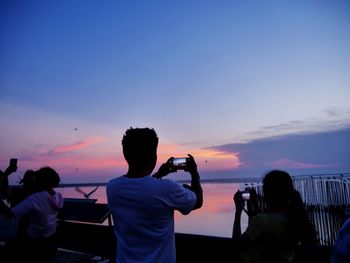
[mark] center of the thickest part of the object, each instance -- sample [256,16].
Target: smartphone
[179,163]
[13,162]
[246,195]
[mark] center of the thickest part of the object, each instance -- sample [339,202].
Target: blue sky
[210,76]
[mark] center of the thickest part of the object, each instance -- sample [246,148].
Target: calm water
[215,218]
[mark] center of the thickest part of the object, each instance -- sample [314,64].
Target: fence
[326,197]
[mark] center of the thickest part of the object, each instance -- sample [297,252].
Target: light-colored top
[41,209]
[268,233]
[143,216]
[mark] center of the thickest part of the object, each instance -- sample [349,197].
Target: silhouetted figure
[341,248]
[14,195]
[41,209]
[302,230]
[27,186]
[4,181]
[9,228]
[143,206]
[273,234]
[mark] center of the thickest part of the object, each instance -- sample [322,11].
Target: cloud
[317,151]
[287,164]
[337,111]
[207,159]
[78,145]
[331,119]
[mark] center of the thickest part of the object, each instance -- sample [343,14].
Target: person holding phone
[143,206]
[4,181]
[273,233]
[17,193]
[40,209]
[14,195]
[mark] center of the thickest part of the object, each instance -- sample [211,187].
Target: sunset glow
[243,86]
[79,145]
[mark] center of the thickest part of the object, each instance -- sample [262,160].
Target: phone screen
[179,163]
[246,196]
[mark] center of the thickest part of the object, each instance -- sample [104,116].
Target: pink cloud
[79,145]
[70,159]
[73,164]
[285,163]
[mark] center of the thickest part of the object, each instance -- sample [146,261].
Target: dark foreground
[88,243]
[83,238]
[98,240]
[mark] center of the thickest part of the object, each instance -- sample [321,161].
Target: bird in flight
[86,195]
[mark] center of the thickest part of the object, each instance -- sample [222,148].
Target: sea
[326,197]
[214,218]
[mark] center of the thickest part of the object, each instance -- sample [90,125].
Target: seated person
[272,235]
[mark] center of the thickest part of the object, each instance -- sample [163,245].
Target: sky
[244,86]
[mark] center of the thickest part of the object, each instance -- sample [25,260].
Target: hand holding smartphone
[179,163]
[13,162]
[12,166]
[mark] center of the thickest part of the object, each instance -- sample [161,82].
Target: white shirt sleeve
[24,208]
[179,198]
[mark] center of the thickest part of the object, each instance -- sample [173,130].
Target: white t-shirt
[41,209]
[143,215]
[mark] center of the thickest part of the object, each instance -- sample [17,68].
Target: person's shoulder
[345,228]
[347,223]
[163,185]
[38,195]
[166,182]
[115,180]
[35,197]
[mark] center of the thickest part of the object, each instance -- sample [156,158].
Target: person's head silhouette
[47,178]
[28,178]
[140,149]
[278,189]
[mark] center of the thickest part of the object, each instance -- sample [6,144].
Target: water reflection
[215,218]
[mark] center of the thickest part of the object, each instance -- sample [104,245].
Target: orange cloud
[207,159]
[79,145]
[76,164]
[87,161]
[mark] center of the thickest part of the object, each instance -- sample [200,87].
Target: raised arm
[239,203]
[196,186]
[165,169]
[191,167]
[4,181]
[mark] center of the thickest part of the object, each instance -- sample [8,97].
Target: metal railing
[326,198]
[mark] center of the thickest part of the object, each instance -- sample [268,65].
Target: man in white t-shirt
[143,205]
